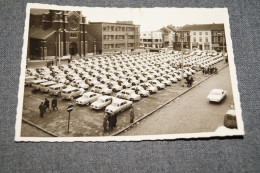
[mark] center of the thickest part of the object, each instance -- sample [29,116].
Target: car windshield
[115,104]
[215,93]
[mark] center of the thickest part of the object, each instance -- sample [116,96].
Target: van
[29,79]
[71,93]
[56,89]
[230,120]
[44,87]
[36,83]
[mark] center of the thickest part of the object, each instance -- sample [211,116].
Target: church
[56,33]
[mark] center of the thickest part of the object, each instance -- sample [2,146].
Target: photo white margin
[236,96]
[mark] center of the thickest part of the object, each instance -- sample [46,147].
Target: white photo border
[234,83]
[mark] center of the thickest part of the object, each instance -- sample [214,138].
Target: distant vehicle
[44,87]
[129,95]
[217,95]
[36,83]
[157,84]
[71,92]
[118,105]
[230,120]
[87,98]
[147,86]
[29,79]
[102,89]
[56,89]
[102,102]
[140,90]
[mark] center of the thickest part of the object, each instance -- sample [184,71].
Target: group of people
[209,70]
[111,120]
[46,105]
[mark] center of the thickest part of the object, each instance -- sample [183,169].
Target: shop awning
[39,33]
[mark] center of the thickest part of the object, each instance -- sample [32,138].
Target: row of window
[151,40]
[117,37]
[112,46]
[200,39]
[200,33]
[117,28]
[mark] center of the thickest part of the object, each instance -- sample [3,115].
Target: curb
[148,114]
[32,124]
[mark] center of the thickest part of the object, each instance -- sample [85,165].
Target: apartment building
[122,36]
[151,39]
[201,36]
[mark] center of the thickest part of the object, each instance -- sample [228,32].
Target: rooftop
[202,27]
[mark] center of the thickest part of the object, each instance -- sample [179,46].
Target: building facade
[151,39]
[56,33]
[114,37]
[203,37]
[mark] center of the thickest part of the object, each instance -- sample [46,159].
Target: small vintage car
[101,102]
[129,95]
[140,90]
[102,89]
[71,92]
[118,105]
[87,98]
[216,95]
[56,89]
[45,86]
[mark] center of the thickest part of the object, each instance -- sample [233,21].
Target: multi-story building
[56,33]
[121,36]
[202,36]
[151,39]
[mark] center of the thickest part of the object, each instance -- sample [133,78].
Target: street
[190,113]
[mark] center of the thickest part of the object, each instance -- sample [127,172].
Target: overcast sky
[151,19]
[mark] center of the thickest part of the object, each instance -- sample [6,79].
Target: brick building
[56,33]
[121,36]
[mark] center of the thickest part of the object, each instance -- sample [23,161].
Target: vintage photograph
[127,74]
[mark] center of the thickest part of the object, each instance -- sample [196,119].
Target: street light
[126,43]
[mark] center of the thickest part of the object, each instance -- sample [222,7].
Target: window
[206,39]
[200,33]
[206,33]
[194,39]
[73,35]
[215,39]
[200,39]
[194,33]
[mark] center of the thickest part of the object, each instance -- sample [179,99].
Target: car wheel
[131,99]
[150,91]
[103,93]
[158,88]
[87,103]
[124,87]
[142,95]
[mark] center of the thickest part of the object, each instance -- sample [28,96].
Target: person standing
[41,108]
[191,80]
[110,122]
[105,122]
[132,115]
[47,104]
[54,104]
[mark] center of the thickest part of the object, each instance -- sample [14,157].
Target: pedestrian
[54,104]
[191,80]
[110,122]
[132,115]
[114,120]
[105,122]
[47,104]
[41,108]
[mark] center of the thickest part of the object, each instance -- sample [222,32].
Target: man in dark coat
[42,109]
[54,104]
[47,104]
[132,115]
[110,122]
[105,122]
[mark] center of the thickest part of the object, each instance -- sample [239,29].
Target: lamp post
[126,43]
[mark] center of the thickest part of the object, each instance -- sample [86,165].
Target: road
[191,112]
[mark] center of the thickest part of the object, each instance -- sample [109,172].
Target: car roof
[104,97]
[49,82]
[231,112]
[70,89]
[58,85]
[89,93]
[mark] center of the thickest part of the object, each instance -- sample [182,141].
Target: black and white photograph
[127,74]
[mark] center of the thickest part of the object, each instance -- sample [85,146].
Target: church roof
[39,33]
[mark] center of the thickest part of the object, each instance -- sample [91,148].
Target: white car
[102,102]
[157,84]
[114,86]
[71,92]
[217,95]
[118,105]
[164,81]
[87,98]
[147,86]
[102,89]
[140,90]
[129,95]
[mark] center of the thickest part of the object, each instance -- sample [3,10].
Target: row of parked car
[129,77]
